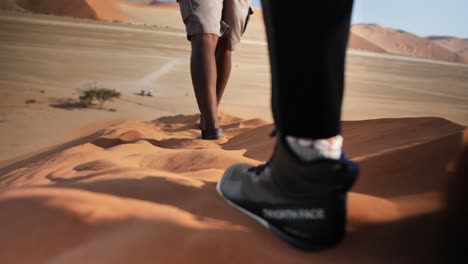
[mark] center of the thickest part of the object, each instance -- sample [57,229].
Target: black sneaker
[212,134]
[304,203]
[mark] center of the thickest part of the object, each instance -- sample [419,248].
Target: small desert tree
[87,96]
[100,94]
[104,94]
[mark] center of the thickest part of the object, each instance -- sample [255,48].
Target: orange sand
[144,192]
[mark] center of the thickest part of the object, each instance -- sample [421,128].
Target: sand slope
[94,9]
[457,45]
[10,5]
[404,43]
[360,43]
[144,192]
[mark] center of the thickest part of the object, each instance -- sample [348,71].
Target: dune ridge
[404,43]
[92,9]
[457,45]
[10,5]
[360,43]
[145,191]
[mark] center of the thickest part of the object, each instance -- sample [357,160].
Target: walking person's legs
[204,77]
[300,194]
[236,14]
[223,66]
[214,27]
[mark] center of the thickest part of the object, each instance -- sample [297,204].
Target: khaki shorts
[225,18]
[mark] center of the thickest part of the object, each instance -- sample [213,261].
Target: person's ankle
[208,123]
[308,149]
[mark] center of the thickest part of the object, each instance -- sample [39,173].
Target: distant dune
[367,37]
[93,9]
[457,45]
[359,43]
[10,5]
[405,43]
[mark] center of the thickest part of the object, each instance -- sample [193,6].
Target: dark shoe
[304,203]
[212,134]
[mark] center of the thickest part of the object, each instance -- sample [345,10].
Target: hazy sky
[422,17]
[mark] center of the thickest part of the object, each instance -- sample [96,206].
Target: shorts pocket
[186,9]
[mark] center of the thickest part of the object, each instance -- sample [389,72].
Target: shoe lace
[259,169]
[273,133]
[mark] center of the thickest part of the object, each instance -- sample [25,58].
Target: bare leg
[223,65]
[204,72]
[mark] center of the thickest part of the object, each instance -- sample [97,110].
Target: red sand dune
[144,192]
[359,43]
[457,45]
[93,9]
[404,43]
[10,5]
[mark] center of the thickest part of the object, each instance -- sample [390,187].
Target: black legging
[307,76]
